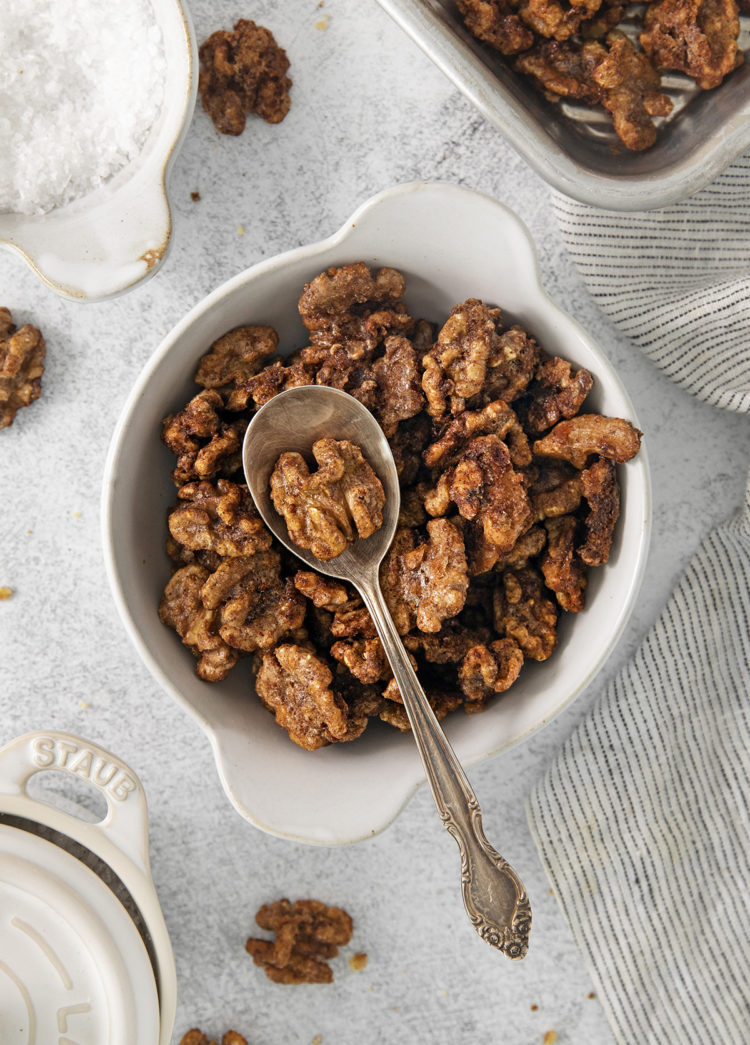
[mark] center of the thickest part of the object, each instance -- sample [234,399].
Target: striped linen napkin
[642,822]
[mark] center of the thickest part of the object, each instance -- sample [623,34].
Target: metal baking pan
[574,148]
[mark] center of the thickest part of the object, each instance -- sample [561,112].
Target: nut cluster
[509,496]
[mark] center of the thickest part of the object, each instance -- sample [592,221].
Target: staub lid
[85,958]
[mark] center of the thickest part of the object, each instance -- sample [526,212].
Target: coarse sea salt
[81,84]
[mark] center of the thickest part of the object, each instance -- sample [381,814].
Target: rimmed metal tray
[573,147]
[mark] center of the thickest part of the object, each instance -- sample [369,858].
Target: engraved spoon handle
[494,896]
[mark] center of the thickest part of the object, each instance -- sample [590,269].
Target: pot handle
[126,822]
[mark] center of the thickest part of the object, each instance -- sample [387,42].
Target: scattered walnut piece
[579,438]
[308,933]
[358,961]
[243,72]
[22,355]
[697,37]
[5,593]
[602,493]
[197,1037]
[328,509]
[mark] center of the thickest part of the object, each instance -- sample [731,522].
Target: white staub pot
[85,958]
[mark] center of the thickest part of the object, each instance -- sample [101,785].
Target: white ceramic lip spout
[104,243]
[494,896]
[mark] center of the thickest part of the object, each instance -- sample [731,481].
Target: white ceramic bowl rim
[397,217]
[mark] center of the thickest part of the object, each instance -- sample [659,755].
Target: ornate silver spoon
[494,896]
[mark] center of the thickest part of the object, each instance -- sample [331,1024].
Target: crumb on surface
[240,230]
[358,961]
[534,1008]
[317,1040]
[5,592]
[590,995]
[550,1037]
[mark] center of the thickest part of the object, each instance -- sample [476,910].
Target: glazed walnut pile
[509,495]
[22,354]
[308,934]
[243,72]
[573,49]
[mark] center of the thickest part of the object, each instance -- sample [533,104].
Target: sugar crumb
[358,961]
[550,1037]
[322,24]
[5,593]
[76,515]
[83,704]
[317,1040]
[240,230]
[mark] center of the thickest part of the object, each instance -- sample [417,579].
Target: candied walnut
[328,509]
[556,393]
[496,418]
[307,934]
[447,646]
[203,443]
[456,366]
[579,438]
[365,659]
[602,493]
[425,583]
[256,607]
[399,380]
[182,608]
[697,37]
[606,18]
[407,446]
[484,486]
[556,491]
[496,22]
[197,1037]
[631,92]
[511,365]
[526,548]
[322,591]
[295,684]
[564,68]
[354,622]
[339,290]
[486,670]
[22,355]
[243,72]
[271,380]
[556,18]
[236,357]
[394,713]
[183,556]
[523,612]
[563,569]
[218,517]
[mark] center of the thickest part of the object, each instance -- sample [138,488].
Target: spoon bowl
[294,420]
[493,894]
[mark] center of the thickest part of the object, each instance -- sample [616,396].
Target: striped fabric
[643,820]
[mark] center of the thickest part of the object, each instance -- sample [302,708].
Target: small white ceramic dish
[84,950]
[451,244]
[107,241]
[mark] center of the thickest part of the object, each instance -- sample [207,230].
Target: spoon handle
[494,896]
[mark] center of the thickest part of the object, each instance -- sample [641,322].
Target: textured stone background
[369,111]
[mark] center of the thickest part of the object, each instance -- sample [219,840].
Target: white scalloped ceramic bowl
[451,244]
[113,238]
